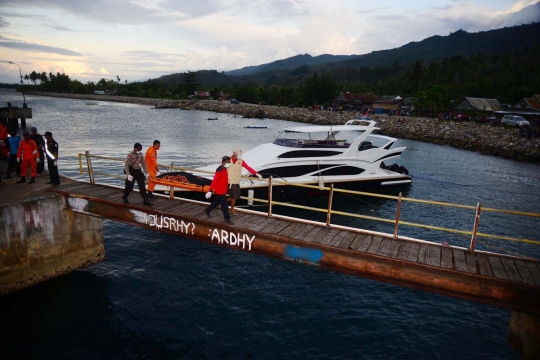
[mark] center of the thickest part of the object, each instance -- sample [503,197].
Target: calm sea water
[158,296]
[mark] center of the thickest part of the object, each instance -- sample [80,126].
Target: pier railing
[396,222]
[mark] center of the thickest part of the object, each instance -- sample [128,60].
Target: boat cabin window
[365,145]
[342,170]
[292,171]
[308,153]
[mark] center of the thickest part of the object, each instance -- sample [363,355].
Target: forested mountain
[378,64]
[290,63]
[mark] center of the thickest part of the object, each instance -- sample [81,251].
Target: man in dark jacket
[220,185]
[51,150]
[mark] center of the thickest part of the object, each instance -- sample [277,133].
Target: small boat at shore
[255,127]
[212,118]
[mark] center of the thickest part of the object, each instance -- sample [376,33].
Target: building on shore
[351,101]
[393,105]
[532,103]
[479,104]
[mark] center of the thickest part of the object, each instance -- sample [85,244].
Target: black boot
[150,195]
[32,180]
[124,198]
[147,203]
[21,180]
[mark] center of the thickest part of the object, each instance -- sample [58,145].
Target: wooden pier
[500,280]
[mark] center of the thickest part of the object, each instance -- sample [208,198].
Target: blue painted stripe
[303,254]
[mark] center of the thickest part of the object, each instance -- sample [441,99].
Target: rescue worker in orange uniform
[29,155]
[152,166]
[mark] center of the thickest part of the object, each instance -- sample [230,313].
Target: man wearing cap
[219,185]
[51,150]
[235,172]
[132,168]
[38,139]
[27,155]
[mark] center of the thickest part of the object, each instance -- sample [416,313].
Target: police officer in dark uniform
[132,168]
[51,149]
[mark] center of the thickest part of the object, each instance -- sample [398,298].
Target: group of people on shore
[30,151]
[226,180]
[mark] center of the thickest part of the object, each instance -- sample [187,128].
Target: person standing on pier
[27,155]
[51,149]
[132,168]
[220,185]
[152,166]
[235,172]
[13,143]
[38,139]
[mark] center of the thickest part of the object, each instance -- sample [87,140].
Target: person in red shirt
[29,155]
[220,185]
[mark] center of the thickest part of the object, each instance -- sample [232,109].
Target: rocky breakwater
[483,138]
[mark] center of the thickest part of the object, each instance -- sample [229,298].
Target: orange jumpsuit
[28,157]
[151,165]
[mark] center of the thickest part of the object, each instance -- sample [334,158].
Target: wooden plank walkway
[498,280]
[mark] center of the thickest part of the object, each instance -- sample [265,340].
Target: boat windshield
[317,139]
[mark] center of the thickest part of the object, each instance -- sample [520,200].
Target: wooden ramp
[499,280]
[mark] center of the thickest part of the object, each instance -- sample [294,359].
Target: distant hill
[293,70]
[290,63]
[458,43]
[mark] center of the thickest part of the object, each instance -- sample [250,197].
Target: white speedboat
[349,156]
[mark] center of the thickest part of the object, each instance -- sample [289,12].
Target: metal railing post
[270,196]
[330,197]
[475,229]
[171,193]
[90,170]
[80,164]
[398,212]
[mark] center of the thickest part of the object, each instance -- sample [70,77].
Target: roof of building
[364,98]
[533,103]
[484,104]
[202,93]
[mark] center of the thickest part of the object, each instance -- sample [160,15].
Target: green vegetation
[499,64]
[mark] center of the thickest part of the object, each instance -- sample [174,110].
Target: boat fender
[251,193]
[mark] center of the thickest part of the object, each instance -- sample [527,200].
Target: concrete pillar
[40,239]
[524,334]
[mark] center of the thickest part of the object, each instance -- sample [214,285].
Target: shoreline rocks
[482,138]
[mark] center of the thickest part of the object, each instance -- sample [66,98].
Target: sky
[142,39]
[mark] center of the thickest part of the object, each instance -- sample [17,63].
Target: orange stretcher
[179,184]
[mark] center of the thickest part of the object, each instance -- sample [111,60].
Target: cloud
[103,71]
[25,46]
[126,11]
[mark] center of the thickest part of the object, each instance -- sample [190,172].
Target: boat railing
[395,221]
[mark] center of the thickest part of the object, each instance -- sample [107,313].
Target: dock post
[475,229]
[90,171]
[524,334]
[398,212]
[330,197]
[23,120]
[270,196]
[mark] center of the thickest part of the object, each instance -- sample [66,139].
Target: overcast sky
[142,39]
